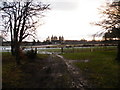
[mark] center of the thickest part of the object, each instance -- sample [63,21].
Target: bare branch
[22,17]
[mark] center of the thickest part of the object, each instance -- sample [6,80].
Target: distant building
[48,38]
[61,38]
[55,39]
[52,38]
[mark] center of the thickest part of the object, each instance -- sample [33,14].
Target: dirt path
[57,73]
[78,80]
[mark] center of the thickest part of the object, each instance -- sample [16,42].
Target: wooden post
[73,49]
[61,49]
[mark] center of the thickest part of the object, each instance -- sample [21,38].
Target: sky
[71,19]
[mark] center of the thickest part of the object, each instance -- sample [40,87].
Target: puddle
[74,61]
[60,56]
[56,75]
[44,52]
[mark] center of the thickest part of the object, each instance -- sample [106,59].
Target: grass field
[19,76]
[49,50]
[102,71]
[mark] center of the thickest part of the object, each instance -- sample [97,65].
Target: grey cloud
[64,4]
[57,4]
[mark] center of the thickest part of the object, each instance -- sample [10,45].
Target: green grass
[102,70]
[10,75]
[50,50]
[42,56]
[18,77]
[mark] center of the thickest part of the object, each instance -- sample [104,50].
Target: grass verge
[19,76]
[102,71]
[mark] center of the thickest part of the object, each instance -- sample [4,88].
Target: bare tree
[20,19]
[111,20]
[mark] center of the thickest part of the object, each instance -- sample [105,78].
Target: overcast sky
[71,19]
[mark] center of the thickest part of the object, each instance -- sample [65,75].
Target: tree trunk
[12,49]
[118,52]
[17,53]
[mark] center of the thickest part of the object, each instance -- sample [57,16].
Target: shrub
[31,54]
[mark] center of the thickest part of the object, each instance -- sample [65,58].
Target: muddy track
[58,73]
[64,73]
[78,80]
